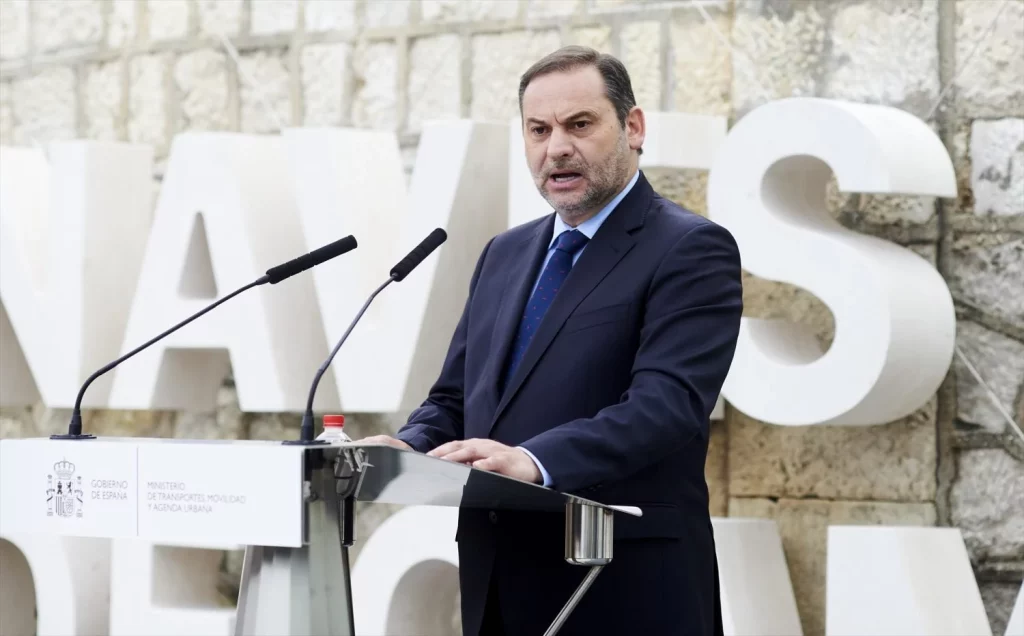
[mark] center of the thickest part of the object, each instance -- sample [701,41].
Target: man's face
[579,153]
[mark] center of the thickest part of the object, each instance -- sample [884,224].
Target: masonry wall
[144,71]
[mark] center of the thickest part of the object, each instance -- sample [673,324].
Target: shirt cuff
[544,473]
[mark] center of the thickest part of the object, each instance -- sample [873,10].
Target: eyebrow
[581,113]
[574,116]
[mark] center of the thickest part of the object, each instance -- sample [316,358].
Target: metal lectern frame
[293,591]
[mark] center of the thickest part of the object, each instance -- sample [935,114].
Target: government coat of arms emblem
[64,494]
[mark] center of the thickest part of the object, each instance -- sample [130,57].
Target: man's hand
[487,454]
[386,439]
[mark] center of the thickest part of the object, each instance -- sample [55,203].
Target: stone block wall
[145,70]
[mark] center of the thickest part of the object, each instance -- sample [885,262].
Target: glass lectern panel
[391,475]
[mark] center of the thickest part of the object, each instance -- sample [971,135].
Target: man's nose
[560,145]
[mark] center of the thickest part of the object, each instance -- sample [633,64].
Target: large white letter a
[233,192]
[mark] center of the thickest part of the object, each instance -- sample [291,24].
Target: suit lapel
[601,255]
[519,279]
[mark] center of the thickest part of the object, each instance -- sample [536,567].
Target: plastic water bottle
[334,426]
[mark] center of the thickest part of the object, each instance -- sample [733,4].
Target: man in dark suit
[590,353]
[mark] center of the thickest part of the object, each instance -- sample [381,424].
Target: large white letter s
[894,318]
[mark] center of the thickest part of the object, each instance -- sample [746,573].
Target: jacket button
[493,516]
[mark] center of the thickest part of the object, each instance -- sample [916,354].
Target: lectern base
[302,591]
[283,594]
[573,600]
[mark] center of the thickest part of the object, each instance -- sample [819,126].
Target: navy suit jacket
[613,396]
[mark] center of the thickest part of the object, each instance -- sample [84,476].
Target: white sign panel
[175,491]
[229,492]
[74,488]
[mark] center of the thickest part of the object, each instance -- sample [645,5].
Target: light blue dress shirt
[589,228]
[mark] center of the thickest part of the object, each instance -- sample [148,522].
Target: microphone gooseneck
[306,429]
[398,273]
[75,427]
[273,276]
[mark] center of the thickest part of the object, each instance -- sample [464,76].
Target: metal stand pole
[303,591]
[588,542]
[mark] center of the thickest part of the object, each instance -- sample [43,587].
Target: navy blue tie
[557,269]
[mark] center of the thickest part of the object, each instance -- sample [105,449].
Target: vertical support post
[589,539]
[307,590]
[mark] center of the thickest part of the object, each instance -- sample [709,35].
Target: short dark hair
[617,86]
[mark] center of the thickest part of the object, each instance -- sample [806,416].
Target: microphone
[415,257]
[321,254]
[398,273]
[273,276]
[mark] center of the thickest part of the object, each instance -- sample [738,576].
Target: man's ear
[636,128]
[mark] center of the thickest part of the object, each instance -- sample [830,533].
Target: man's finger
[473,450]
[495,463]
[446,448]
[385,439]
[466,454]
[486,463]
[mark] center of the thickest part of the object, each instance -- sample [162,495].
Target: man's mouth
[564,176]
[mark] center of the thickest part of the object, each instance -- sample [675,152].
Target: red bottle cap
[334,420]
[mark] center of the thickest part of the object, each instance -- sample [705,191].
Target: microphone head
[312,259]
[415,257]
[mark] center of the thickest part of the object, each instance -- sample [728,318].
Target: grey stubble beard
[602,185]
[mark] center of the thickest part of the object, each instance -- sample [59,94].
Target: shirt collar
[591,225]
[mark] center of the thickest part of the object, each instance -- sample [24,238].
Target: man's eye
[581,124]
[538,130]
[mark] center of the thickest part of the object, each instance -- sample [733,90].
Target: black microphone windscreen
[312,259]
[415,257]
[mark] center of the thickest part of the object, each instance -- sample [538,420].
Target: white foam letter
[757,593]
[158,590]
[1015,625]
[69,578]
[900,581]
[351,181]
[72,233]
[407,574]
[231,192]
[894,318]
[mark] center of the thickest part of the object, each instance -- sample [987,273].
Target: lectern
[293,507]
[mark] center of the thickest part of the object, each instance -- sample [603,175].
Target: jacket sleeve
[687,341]
[439,419]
